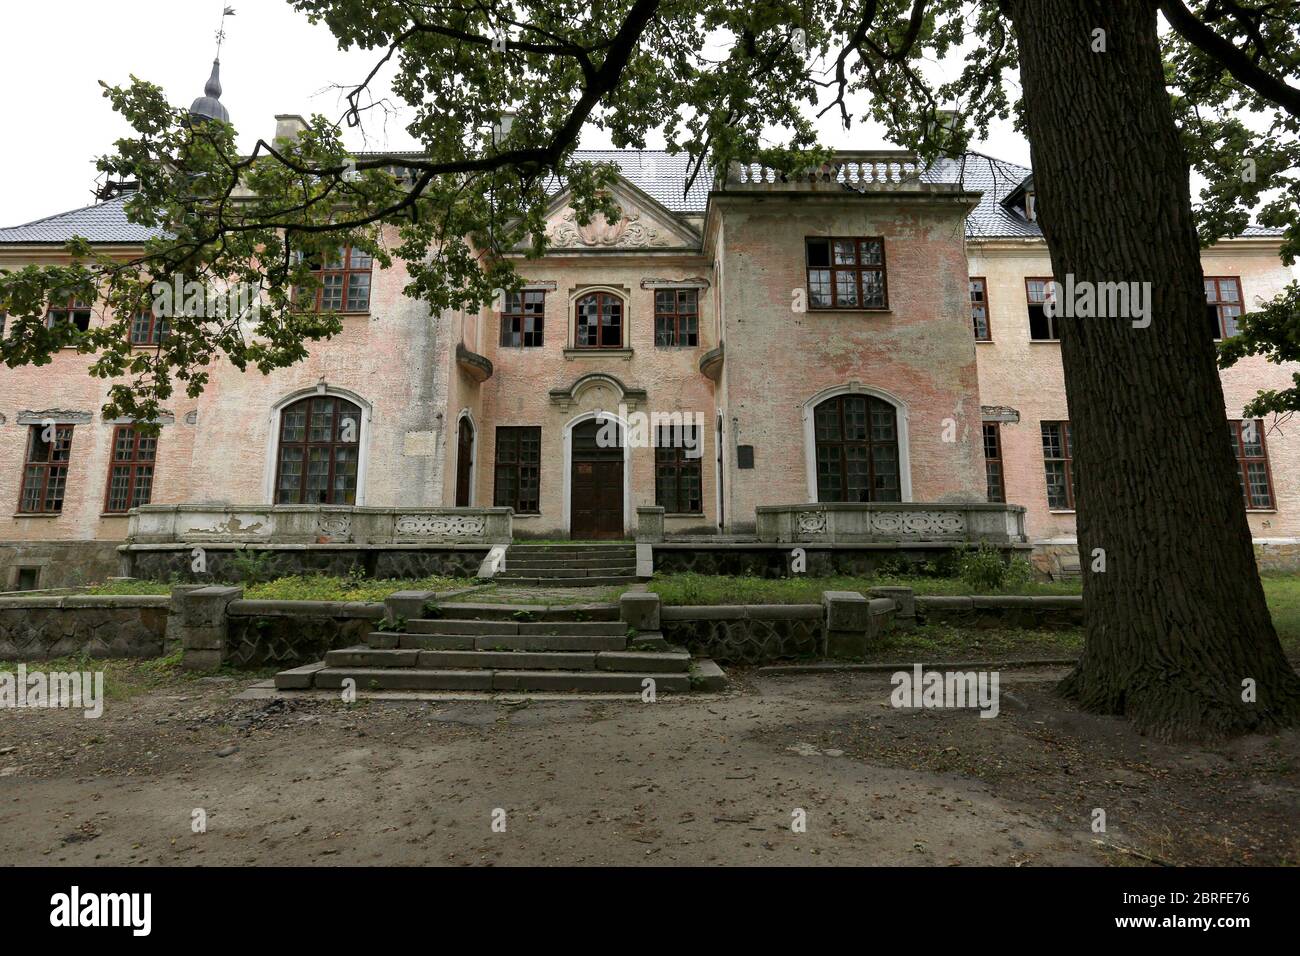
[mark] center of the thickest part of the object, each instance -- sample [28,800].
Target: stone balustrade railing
[907,522]
[317,524]
[879,169]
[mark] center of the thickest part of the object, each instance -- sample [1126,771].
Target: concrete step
[593,546]
[535,612]
[501,642]
[451,626]
[420,678]
[550,561]
[568,582]
[614,570]
[676,661]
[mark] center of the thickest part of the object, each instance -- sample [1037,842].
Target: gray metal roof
[102,222]
[654,171]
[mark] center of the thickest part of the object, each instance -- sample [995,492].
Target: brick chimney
[289,125]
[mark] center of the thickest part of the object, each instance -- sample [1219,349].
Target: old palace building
[875,333]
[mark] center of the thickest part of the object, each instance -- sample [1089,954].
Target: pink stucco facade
[765,359]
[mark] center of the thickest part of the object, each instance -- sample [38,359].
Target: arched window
[319,450]
[857,449]
[599,322]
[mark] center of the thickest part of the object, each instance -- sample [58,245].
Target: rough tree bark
[1177,621]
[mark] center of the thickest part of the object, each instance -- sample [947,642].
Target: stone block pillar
[650,523]
[639,610]
[201,624]
[854,623]
[904,604]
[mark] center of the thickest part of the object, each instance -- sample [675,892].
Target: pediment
[645,224]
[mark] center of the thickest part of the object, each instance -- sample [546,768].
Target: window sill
[524,514]
[683,514]
[850,311]
[983,341]
[677,348]
[1044,341]
[1261,511]
[38,514]
[1061,511]
[624,354]
[114,514]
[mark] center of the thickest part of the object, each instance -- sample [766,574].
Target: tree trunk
[1177,625]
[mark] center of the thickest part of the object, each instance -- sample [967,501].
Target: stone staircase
[508,648]
[579,564]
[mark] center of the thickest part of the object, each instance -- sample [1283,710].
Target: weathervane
[221,30]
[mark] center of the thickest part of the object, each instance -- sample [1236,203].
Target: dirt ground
[691,780]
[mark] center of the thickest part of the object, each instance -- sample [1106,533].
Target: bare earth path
[682,781]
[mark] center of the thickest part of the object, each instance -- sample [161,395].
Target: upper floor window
[1031,206]
[45,469]
[147,328]
[344,282]
[1058,464]
[599,321]
[1042,327]
[320,441]
[130,476]
[73,311]
[979,308]
[1222,305]
[677,318]
[522,316]
[857,449]
[1252,462]
[847,273]
[993,461]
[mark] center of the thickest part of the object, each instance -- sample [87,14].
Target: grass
[317,587]
[691,588]
[123,678]
[939,642]
[492,594]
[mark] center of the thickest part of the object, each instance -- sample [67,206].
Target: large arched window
[316,462]
[857,449]
[599,321]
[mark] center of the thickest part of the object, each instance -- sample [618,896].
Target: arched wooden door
[596,486]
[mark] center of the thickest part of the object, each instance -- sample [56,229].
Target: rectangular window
[1058,462]
[1252,462]
[344,282]
[147,328]
[45,471]
[518,469]
[677,469]
[847,273]
[73,311]
[677,318]
[521,319]
[979,309]
[993,461]
[1222,305]
[130,474]
[1042,327]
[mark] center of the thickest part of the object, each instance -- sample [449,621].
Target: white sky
[273,61]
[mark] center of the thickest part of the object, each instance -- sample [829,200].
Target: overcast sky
[273,61]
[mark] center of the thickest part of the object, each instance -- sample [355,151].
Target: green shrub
[397,623]
[252,568]
[985,570]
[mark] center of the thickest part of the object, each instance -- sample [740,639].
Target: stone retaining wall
[747,634]
[41,628]
[285,634]
[222,562]
[1002,611]
[771,561]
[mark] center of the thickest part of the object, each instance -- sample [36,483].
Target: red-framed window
[1042,327]
[599,321]
[1058,465]
[344,282]
[1252,462]
[847,273]
[522,319]
[130,474]
[678,485]
[677,318]
[320,442]
[1223,305]
[45,469]
[857,449]
[993,461]
[518,469]
[979,308]
[147,328]
[73,311]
